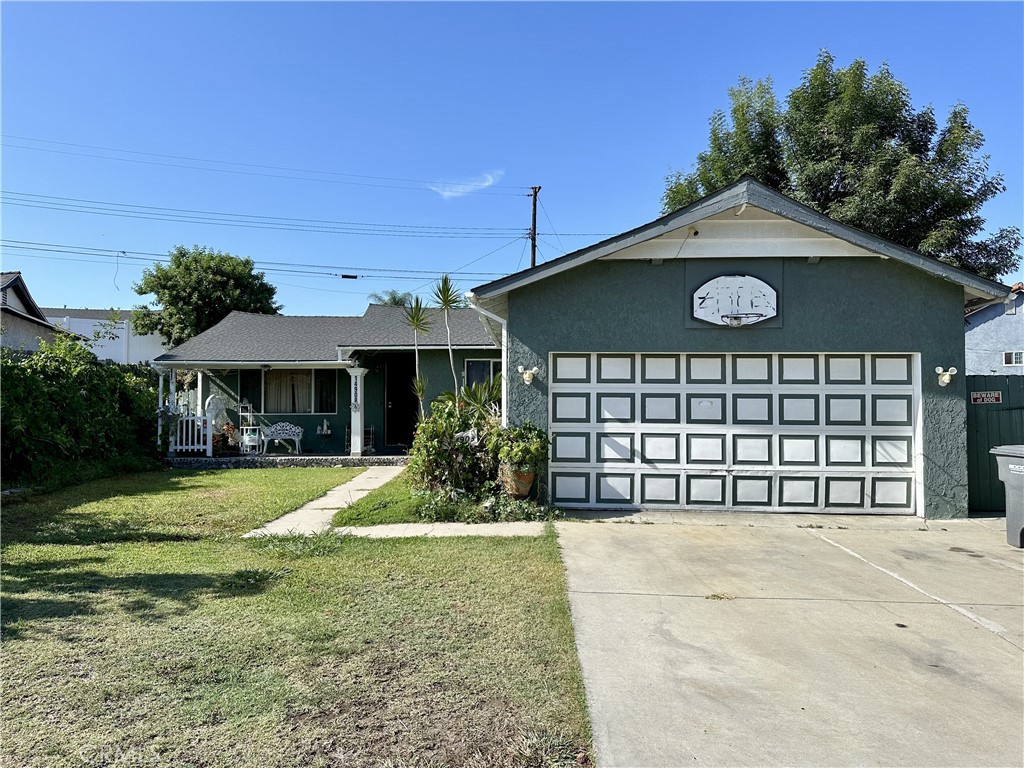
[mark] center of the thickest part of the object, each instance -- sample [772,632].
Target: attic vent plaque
[734,301]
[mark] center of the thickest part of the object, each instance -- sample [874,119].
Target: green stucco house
[742,353]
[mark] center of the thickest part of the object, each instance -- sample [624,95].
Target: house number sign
[734,300]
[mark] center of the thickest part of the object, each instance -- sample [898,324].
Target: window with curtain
[287,391]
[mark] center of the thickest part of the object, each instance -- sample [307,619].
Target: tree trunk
[451,358]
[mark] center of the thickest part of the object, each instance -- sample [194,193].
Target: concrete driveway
[753,640]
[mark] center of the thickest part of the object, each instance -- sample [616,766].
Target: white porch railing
[192,433]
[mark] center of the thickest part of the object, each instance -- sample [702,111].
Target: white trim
[1013,353]
[503,322]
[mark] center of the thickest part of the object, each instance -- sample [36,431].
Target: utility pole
[533,228]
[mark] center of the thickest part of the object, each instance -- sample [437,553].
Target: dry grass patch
[326,651]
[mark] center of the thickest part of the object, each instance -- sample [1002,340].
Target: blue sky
[299,104]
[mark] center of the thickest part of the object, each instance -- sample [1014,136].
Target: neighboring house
[353,373]
[125,347]
[994,336]
[743,353]
[21,319]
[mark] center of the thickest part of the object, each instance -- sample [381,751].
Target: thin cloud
[448,190]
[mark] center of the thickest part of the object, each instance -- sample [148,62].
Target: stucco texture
[992,331]
[837,305]
[22,334]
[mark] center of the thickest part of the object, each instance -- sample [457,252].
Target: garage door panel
[836,433]
[705,408]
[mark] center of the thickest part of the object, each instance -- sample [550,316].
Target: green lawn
[393,502]
[185,646]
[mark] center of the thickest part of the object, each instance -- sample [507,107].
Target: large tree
[198,289]
[851,145]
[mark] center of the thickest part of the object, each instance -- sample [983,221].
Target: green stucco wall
[838,304]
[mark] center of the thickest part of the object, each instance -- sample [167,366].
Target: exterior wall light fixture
[945,376]
[528,373]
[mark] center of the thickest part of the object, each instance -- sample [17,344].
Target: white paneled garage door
[764,432]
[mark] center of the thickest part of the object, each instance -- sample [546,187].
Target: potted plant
[521,452]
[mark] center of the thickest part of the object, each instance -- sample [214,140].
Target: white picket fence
[192,434]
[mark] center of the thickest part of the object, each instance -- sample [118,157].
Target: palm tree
[447,298]
[391,298]
[416,318]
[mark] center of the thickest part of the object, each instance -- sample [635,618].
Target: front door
[400,404]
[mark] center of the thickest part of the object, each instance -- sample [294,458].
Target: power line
[92,251]
[550,224]
[284,219]
[470,263]
[245,165]
[482,188]
[244,221]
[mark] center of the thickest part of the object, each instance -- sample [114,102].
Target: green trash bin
[1010,459]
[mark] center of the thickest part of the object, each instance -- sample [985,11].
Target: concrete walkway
[315,516]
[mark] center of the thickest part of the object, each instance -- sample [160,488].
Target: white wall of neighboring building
[128,347]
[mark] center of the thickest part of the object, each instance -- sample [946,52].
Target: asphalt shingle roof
[245,337]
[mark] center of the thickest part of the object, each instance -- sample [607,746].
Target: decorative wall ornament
[734,301]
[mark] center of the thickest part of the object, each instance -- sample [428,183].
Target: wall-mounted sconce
[945,376]
[528,373]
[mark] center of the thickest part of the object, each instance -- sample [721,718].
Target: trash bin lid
[1013,451]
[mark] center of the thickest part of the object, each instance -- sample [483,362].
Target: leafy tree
[447,298]
[416,318]
[197,290]
[391,298]
[851,145]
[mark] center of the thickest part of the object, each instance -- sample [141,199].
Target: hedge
[66,417]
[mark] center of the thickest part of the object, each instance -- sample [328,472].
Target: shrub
[67,417]
[523,449]
[448,507]
[450,451]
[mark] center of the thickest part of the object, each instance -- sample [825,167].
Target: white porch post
[356,428]
[160,404]
[174,409]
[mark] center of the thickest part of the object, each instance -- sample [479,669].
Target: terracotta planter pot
[518,484]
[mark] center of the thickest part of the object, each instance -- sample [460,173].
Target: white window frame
[1016,357]
[492,360]
[312,393]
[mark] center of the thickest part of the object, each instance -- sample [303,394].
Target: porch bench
[282,430]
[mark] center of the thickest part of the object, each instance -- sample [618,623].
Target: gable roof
[746,191]
[13,281]
[245,337]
